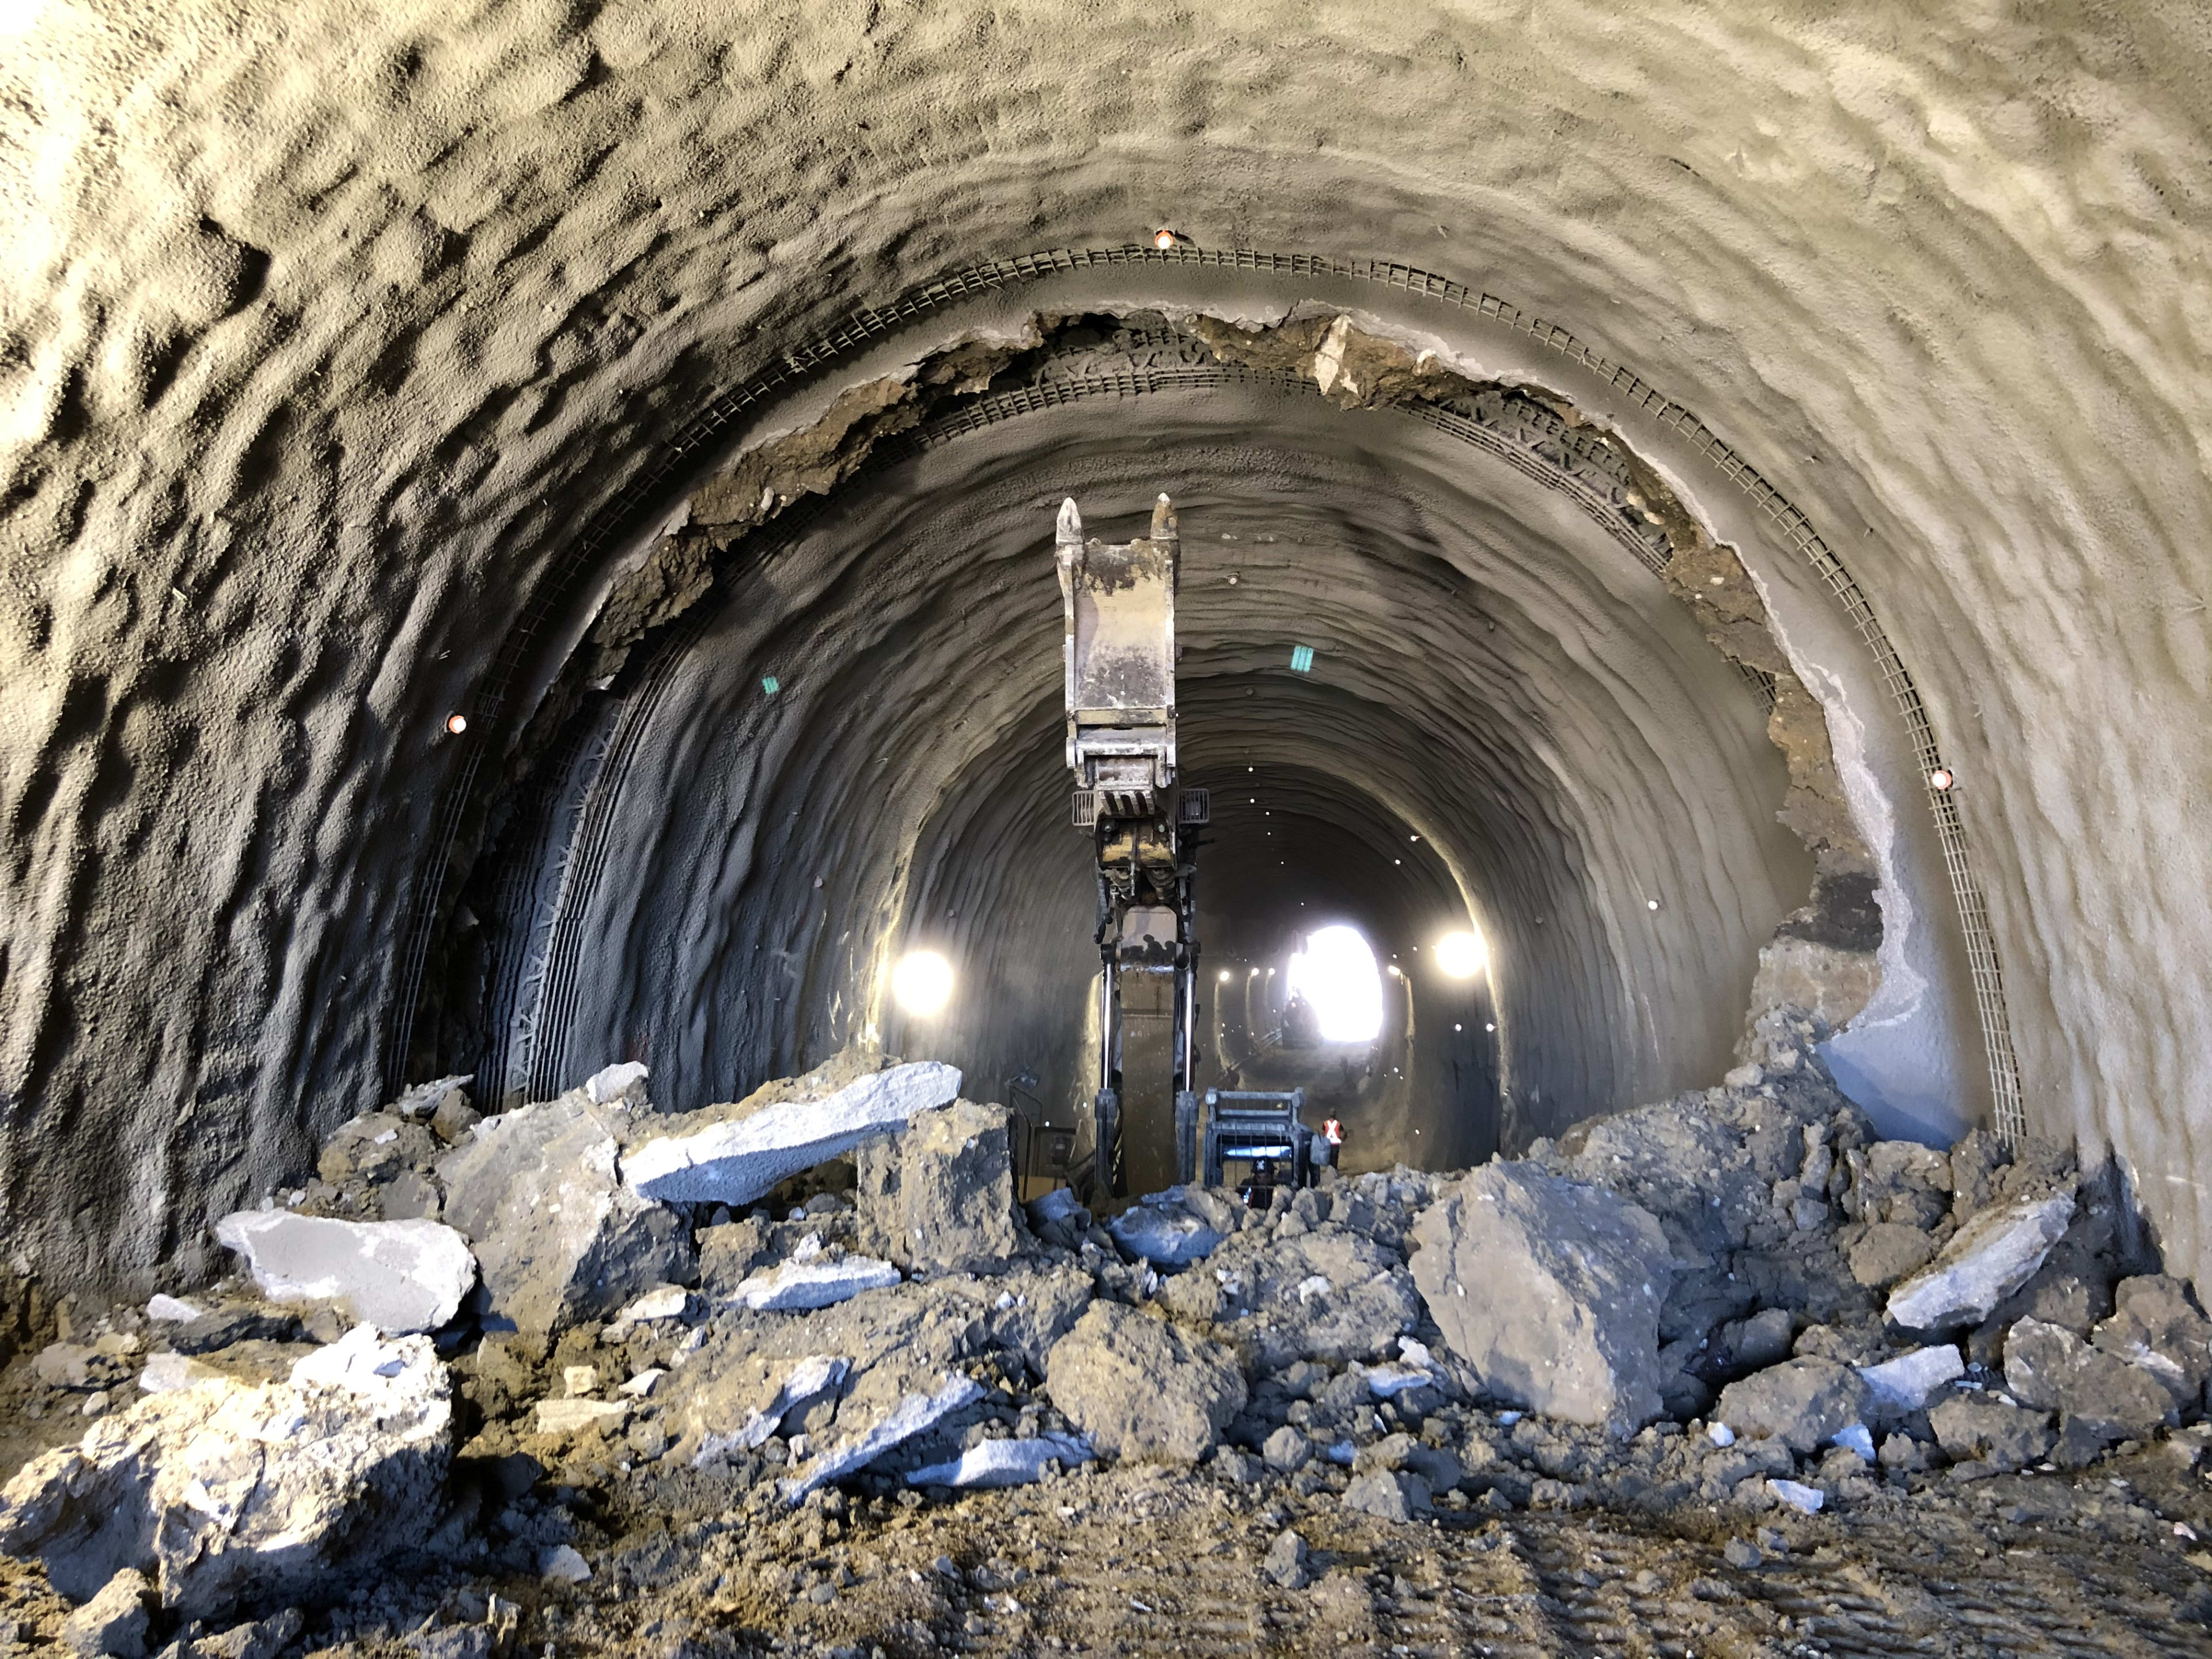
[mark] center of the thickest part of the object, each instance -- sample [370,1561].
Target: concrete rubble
[225,1490]
[1739,1299]
[399,1276]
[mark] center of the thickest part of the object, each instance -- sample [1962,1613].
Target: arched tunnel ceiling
[328,330]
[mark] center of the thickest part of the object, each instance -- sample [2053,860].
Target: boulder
[1973,1427]
[1904,1384]
[737,1154]
[564,1417]
[1989,1258]
[2155,1326]
[1551,1290]
[1155,1230]
[1003,1462]
[1141,1389]
[2048,1368]
[939,1198]
[114,1621]
[1888,1251]
[399,1276]
[1802,1403]
[220,1490]
[558,1235]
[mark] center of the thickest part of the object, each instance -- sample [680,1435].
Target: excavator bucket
[1118,600]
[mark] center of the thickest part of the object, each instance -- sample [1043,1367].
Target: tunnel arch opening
[1580,1029]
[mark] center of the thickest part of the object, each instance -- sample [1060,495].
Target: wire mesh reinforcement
[558,586]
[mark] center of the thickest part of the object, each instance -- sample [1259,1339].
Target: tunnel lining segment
[621,516]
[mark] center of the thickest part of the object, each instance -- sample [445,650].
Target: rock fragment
[1159,1231]
[222,1490]
[1003,1462]
[2155,1326]
[1904,1384]
[1388,1494]
[1141,1389]
[939,1198]
[1806,1500]
[572,1416]
[1286,1560]
[2050,1368]
[820,1283]
[1989,1258]
[1551,1290]
[559,1237]
[114,1621]
[914,1413]
[1888,1251]
[1802,1403]
[399,1276]
[737,1160]
[1973,1427]
[564,1564]
[172,1310]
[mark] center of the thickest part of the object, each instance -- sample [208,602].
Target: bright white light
[1224,976]
[1336,973]
[1461,954]
[921,984]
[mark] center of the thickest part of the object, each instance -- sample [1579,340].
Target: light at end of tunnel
[457,724]
[921,984]
[1459,1028]
[1941,779]
[1461,954]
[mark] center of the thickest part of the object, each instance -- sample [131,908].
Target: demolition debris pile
[1736,1297]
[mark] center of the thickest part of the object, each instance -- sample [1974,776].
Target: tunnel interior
[431,437]
[844,746]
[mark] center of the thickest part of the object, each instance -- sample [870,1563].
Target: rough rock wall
[325,324]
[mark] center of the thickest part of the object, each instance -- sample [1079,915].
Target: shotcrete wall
[328,332]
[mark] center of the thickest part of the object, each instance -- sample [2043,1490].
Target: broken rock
[1987,1259]
[1888,1251]
[820,1283]
[558,1237]
[913,1415]
[1972,1427]
[735,1159]
[1004,1462]
[1801,1402]
[1388,1494]
[1903,1384]
[1551,1290]
[114,1621]
[1158,1231]
[1141,1389]
[399,1276]
[221,1490]
[939,1198]
[2155,1326]
[2050,1368]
